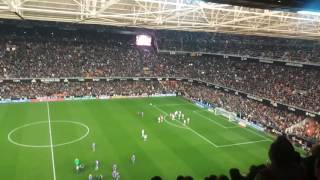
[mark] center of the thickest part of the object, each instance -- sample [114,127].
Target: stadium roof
[187,15]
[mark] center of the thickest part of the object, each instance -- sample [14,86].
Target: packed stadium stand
[198,58]
[253,46]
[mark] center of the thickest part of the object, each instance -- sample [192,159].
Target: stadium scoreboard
[143,40]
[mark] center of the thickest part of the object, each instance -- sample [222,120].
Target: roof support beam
[236,20]
[14,7]
[167,14]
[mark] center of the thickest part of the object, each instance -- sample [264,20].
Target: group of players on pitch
[115,173]
[177,115]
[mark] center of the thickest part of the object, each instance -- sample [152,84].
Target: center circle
[46,122]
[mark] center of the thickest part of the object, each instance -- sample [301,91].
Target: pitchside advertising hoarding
[73,98]
[4,101]
[204,105]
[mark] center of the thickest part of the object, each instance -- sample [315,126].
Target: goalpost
[230,115]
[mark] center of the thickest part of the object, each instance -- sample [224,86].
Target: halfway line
[51,144]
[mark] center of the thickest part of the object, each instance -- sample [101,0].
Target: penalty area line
[195,132]
[210,142]
[232,127]
[244,143]
[211,120]
[51,144]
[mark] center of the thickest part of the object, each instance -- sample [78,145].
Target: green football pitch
[39,141]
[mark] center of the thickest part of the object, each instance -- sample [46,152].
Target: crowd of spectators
[253,46]
[248,109]
[288,85]
[25,54]
[308,128]
[60,89]
[254,111]
[60,53]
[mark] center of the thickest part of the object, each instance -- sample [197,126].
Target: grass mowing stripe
[51,144]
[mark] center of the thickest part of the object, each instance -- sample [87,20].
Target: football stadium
[159,89]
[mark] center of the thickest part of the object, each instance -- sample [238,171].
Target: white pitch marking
[51,144]
[221,146]
[47,146]
[195,132]
[170,123]
[226,127]
[247,129]
[221,125]
[204,138]
[237,144]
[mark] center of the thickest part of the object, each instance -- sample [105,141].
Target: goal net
[230,115]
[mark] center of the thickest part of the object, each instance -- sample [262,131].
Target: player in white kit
[114,174]
[118,176]
[93,146]
[145,137]
[97,165]
[114,167]
[142,133]
[133,158]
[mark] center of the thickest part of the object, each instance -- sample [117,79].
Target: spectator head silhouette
[180,177]
[211,177]
[281,152]
[156,178]
[235,174]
